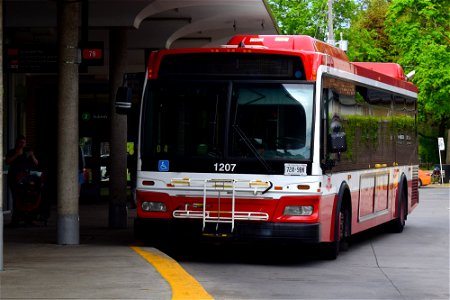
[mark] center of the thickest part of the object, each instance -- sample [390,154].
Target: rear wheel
[399,223]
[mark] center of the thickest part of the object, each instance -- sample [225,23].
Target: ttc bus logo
[329,185]
[163,165]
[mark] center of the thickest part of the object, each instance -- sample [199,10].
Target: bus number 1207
[221,167]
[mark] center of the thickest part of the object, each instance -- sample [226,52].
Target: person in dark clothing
[20,160]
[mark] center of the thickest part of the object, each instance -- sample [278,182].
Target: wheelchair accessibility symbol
[163,165]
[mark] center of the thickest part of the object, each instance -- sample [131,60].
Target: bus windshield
[273,119]
[191,124]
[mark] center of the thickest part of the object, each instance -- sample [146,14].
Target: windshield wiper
[252,148]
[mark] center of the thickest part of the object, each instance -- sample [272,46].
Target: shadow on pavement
[93,228]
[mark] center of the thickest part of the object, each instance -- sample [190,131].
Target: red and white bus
[274,137]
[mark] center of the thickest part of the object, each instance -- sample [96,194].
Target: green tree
[413,33]
[420,32]
[366,35]
[309,17]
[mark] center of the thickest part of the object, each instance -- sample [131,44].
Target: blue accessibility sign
[163,165]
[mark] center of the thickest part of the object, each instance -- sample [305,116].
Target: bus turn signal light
[303,187]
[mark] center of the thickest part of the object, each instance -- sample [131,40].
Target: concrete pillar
[1,136]
[67,135]
[118,213]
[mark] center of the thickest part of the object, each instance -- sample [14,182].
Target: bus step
[217,230]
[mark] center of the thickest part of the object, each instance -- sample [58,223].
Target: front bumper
[169,228]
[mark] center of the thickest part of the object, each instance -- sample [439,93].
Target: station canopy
[152,24]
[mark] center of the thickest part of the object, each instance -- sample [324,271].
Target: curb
[436,185]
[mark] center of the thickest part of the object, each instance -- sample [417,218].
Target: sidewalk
[103,266]
[436,185]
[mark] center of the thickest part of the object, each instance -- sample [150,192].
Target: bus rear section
[274,138]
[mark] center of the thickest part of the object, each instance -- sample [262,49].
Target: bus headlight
[298,210]
[153,206]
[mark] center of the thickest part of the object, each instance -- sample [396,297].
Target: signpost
[1,138]
[441,145]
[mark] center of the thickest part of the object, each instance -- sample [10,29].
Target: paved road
[379,265]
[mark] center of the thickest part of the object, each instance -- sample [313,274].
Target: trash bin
[446,174]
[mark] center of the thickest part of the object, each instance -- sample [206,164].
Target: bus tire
[142,233]
[398,224]
[331,250]
[342,228]
[138,230]
[147,234]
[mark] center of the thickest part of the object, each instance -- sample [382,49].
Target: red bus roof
[288,42]
[389,69]
[313,53]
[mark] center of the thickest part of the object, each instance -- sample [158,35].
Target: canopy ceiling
[152,23]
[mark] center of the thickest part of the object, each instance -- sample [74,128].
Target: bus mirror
[338,142]
[123,100]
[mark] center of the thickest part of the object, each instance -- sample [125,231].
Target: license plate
[295,169]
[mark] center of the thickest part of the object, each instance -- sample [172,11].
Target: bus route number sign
[295,169]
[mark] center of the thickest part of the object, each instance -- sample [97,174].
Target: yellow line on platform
[183,285]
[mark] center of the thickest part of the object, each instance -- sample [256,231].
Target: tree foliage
[413,33]
[420,32]
[366,35]
[310,17]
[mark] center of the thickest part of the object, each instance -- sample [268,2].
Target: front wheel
[144,233]
[331,250]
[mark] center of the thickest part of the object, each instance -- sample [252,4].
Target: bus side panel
[359,225]
[413,194]
[387,204]
[327,217]
[366,196]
